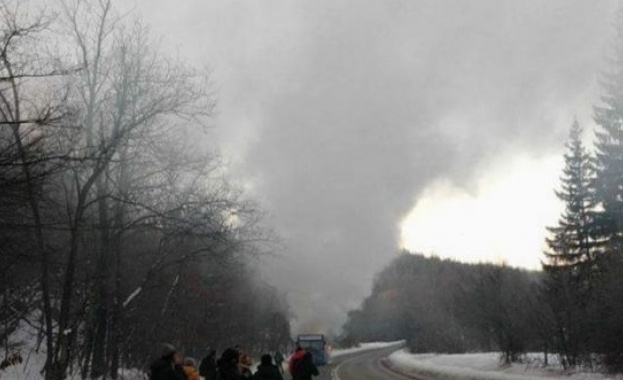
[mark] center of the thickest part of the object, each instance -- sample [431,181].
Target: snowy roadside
[365,347]
[480,366]
[33,359]
[30,369]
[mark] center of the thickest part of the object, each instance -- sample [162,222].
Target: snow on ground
[33,360]
[26,338]
[364,347]
[30,369]
[483,366]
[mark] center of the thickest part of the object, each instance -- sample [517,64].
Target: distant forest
[447,306]
[573,307]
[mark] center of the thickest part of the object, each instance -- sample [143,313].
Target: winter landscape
[328,189]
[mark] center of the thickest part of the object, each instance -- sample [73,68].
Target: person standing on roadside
[267,370]
[228,365]
[207,367]
[244,363]
[190,368]
[168,366]
[306,369]
[295,361]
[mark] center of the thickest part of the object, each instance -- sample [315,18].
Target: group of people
[234,364]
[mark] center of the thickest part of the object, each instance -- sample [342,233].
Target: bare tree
[108,175]
[30,108]
[125,91]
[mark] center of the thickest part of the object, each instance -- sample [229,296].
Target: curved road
[366,365]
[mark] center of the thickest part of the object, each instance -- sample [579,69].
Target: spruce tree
[573,242]
[607,330]
[569,263]
[608,115]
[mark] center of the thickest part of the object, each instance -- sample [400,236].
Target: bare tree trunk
[88,349]
[99,365]
[66,322]
[39,236]
[117,245]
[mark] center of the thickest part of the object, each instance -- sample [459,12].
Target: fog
[337,115]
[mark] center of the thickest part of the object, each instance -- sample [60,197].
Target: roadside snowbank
[33,358]
[365,347]
[481,366]
[30,369]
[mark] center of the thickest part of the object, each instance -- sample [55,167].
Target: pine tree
[569,264]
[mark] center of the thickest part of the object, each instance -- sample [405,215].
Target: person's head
[170,354]
[308,356]
[229,357]
[190,362]
[267,359]
[298,348]
[177,358]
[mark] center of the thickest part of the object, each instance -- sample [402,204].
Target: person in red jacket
[296,358]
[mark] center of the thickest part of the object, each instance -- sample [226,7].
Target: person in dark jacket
[207,367]
[305,369]
[228,368]
[267,370]
[168,366]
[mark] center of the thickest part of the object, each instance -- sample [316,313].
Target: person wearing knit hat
[168,366]
[267,370]
[167,350]
[190,368]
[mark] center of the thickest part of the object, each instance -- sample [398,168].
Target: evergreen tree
[608,296]
[569,264]
[609,147]
[573,241]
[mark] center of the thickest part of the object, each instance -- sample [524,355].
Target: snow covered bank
[25,338]
[481,366]
[365,347]
[30,369]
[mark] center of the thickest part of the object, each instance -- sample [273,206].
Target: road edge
[389,366]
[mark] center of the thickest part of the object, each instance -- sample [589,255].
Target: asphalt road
[367,365]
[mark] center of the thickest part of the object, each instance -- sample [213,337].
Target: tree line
[448,306]
[573,307]
[118,229]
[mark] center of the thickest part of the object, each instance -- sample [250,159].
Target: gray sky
[339,116]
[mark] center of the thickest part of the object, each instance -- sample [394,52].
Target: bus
[316,345]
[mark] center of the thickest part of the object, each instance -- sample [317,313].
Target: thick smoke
[338,114]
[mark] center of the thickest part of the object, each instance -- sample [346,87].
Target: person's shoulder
[159,364]
[159,361]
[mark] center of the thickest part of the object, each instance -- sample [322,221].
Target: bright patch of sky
[502,221]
